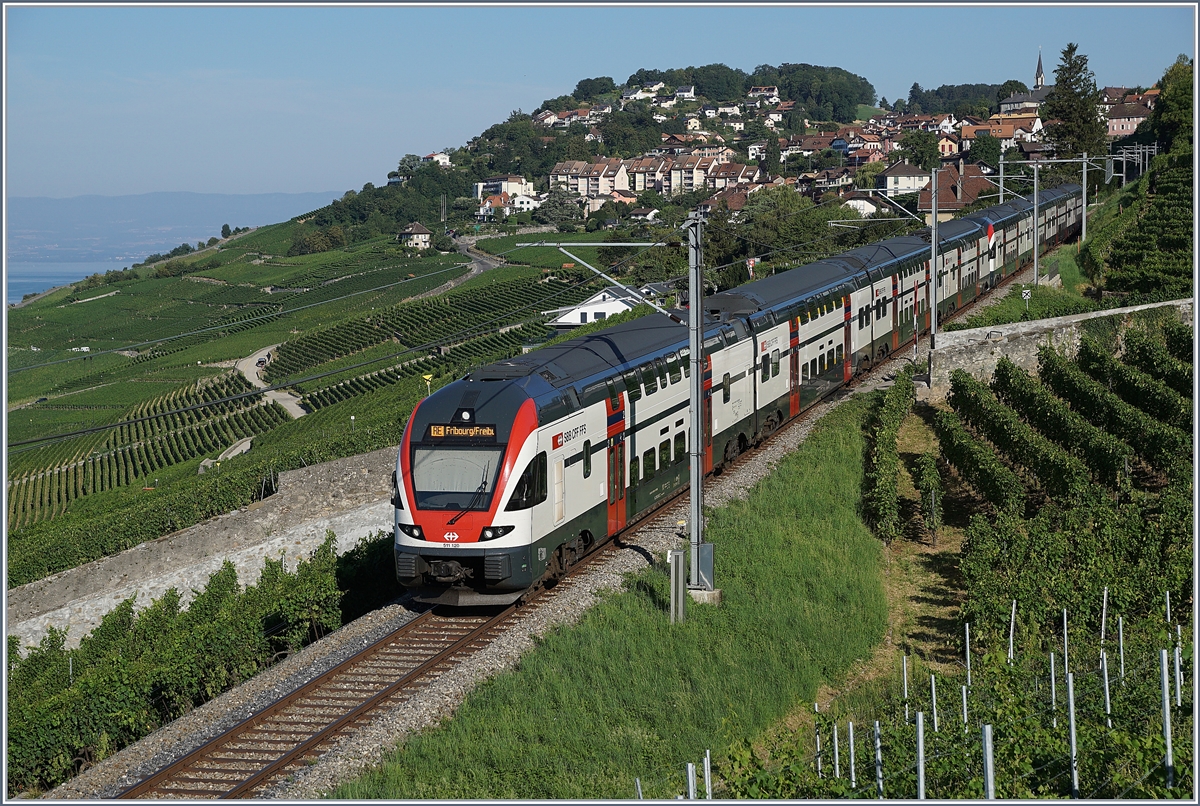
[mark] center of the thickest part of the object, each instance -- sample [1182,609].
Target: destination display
[453,432]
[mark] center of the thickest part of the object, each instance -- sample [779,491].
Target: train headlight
[412,530]
[492,532]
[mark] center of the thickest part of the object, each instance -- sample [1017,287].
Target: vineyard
[154,435]
[470,312]
[1144,252]
[1084,475]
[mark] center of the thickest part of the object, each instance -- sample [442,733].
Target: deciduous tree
[1171,119]
[986,149]
[920,149]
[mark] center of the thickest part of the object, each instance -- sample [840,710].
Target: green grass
[623,694]
[865,111]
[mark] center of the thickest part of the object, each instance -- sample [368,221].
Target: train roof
[582,357]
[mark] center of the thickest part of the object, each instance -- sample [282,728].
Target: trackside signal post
[701,584]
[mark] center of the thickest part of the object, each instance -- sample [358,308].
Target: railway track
[294,731]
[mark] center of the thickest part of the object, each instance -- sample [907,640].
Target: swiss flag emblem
[991,236]
[557,441]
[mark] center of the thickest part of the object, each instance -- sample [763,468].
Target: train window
[812,368]
[680,447]
[661,365]
[649,379]
[685,359]
[804,371]
[820,363]
[587,458]
[673,370]
[648,465]
[664,453]
[829,360]
[614,397]
[838,354]
[531,486]
[632,387]
[766,368]
[864,316]
[774,363]
[633,471]
[725,388]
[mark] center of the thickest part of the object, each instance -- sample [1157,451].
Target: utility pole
[1001,178]
[1083,231]
[696,356]
[1035,224]
[933,255]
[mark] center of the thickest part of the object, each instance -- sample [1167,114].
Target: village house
[526,202]
[441,159]
[768,94]
[863,203]
[568,174]
[729,109]
[959,185]
[947,144]
[687,173]
[415,235]
[901,178]
[643,214]
[1028,101]
[833,179]
[1123,119]
[686,92]
[493,206]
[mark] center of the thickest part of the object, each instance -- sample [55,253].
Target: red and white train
[506,477]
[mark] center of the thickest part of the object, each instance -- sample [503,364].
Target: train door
[847,350]
[895,309]
[615,408]
[794,365]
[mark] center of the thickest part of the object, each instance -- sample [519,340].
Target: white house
[526,202]
[416,236]
[901,178]
[609,302]
[441,159]
[685,92]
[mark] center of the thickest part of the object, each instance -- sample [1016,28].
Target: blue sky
[122,100]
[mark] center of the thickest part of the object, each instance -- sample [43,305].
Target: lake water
[33,278]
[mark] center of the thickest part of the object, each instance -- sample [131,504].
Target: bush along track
[882,462]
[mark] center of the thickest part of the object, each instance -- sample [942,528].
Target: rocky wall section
[978,350]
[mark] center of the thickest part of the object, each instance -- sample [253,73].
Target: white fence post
[1169,759]
[691,781]
[817,730]
[878,761]
[1121,644]
[1107,699]
[850,739]
[904,661]
[707,775]
[1178,674]
[1066,662]
[1074,748]
[989,770]
[1012,626]
[637,782]
[920,756]
[968,625]
[964,690]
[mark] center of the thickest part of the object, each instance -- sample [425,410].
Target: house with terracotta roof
[493,206]
[959,186]
[441,159]
[733,197]
[947,144]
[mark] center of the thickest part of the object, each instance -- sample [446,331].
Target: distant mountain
[96,228]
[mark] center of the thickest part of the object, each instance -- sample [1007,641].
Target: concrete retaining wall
[978,350]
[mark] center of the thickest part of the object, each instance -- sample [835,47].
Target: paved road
[248,367]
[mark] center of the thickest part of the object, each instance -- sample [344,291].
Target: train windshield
[458,478]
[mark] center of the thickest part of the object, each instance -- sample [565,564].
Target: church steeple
[1039,78]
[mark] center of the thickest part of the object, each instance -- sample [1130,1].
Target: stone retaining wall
[978,350]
